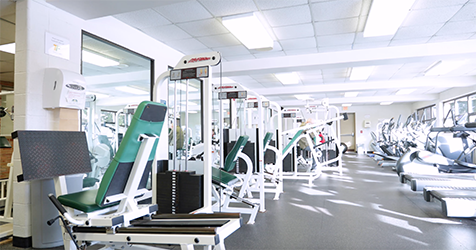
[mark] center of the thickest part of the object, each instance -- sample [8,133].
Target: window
[461,110]
[427,114]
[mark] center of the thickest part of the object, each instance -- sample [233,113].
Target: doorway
[347,132]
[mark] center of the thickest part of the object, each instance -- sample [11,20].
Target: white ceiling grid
[325,28]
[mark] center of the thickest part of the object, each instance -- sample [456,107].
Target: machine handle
[57,204]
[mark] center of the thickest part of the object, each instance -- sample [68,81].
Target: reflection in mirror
[117,81]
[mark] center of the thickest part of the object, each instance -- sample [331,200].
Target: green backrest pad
[233,155]
[293,141]
[222,176]
[267,139]
[148,119]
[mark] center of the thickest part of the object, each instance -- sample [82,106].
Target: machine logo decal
[199,59]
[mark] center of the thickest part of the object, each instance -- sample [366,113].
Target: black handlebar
[57,204]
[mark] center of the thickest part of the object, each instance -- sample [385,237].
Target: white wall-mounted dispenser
[63,89]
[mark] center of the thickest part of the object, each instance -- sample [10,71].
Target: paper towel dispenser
[63,89]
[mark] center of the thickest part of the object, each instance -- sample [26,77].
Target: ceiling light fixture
[249,30]
[303,97]
[443,67]
[288,78]
[130,90]
[405,91]
[385,17]
[98,60]
[346,104]
[351,94]
[385,103]
[9,48]
[361,73]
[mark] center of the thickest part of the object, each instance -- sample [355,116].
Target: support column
[35,18]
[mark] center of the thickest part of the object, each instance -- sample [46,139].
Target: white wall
[33,19]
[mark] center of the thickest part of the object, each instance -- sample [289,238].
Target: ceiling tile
[409,41]
[340,9]
[336,73]
[426,4]
[407,32]
[430,16]
[265,78]
[187,45]
[288,16]
[359,38]
[447,38]
[334,40]
[236,50]
[294,31]
[453,28]
[301,43]
[166,33]
[301,51]
[269,54]
[239,58]
[271,84]
[228,7]
[275,4]
[204,27]
[468,12]
[370,45]
[219,40]
[276,47]
[334,48]
[193,52]
[142,18]
[184,12]
[348,25]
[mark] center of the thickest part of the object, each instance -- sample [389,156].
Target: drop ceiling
[320,40]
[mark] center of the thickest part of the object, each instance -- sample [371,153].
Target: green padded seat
[220,176]
[293,140]
[148,119]
[84,201]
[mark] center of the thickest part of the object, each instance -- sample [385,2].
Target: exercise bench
[118,213]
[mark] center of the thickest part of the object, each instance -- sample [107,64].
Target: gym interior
[238,124]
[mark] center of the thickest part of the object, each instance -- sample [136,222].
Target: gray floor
[365,208]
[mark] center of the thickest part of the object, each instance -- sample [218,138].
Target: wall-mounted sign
[57,46]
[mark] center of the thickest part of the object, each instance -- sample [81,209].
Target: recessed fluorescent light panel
[385,103]
[98,60]
[249,30]
[9,48]
[361,73]
[351,94]
[443,67]
[385,17]
[288,78]
[303,97]
[346,104]
[132,90]
[405,91]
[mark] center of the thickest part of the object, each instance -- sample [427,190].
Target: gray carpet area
[365,208]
